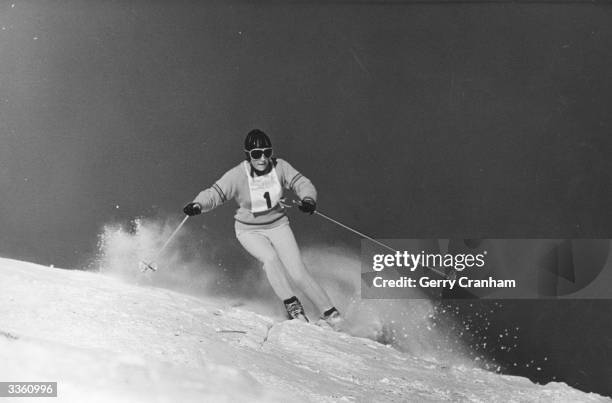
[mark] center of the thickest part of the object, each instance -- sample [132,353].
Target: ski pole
[355,231]
[297,203]
[159,253]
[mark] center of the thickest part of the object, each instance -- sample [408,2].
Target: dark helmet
[256,139]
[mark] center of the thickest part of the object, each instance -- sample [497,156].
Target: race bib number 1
[266,191]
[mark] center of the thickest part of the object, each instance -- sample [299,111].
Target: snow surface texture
[415,326]
[103,339]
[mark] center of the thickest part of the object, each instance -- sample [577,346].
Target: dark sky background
[413,119]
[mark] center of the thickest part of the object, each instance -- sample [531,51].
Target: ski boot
[295,310]
[332,318]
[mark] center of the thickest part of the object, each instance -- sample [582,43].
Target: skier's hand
[192,209]
[308,205]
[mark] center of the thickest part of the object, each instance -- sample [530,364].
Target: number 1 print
[268,201]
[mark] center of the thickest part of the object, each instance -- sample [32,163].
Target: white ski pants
[277,249]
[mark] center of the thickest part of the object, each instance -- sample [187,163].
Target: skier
[261,224]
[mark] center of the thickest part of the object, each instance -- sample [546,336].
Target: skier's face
[260,164]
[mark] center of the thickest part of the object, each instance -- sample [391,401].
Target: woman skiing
[261,224]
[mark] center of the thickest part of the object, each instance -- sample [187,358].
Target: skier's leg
[289,253]
[260,247]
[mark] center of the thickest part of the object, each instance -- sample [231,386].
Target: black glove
[192,209]
[308,205]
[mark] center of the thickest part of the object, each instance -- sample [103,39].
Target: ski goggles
[256,153]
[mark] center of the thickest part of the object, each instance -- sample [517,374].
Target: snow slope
[105,340]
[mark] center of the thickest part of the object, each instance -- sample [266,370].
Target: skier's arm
[301,185]
[220,192]
[209,199]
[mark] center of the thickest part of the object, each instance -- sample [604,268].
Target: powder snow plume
[417,326]
[186,265]
[123,248]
